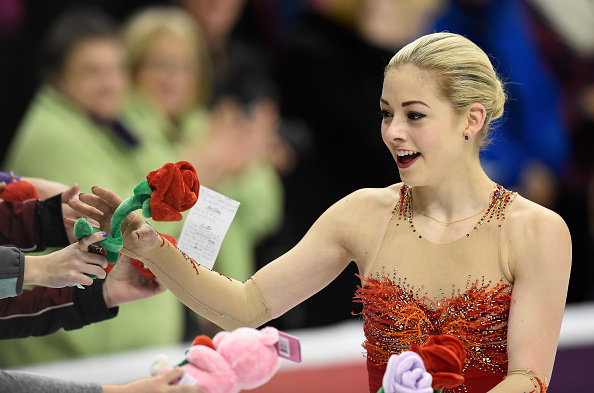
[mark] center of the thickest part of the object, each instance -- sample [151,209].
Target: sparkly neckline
[495,211]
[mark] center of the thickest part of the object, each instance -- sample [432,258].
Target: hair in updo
[463,72]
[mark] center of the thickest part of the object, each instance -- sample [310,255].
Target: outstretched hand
[68,266]
[100,207]
[162,383]
[124,284]
[69,214]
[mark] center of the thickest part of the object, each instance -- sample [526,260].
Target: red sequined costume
[417,288]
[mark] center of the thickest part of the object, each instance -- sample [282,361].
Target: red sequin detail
[394,318]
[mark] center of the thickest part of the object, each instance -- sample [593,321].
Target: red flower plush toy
[174,188]
[19,191]
[444,357]
[165,193]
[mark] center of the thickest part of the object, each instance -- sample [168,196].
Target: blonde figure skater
[446,251]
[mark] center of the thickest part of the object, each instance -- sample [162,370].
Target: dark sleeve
[22,382]
[12,271]
[42,311]
[33,225]
[48,227]
[16,226]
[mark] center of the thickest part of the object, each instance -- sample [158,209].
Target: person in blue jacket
[531,145]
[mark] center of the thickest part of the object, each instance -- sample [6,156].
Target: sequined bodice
[395,318]
[405,299]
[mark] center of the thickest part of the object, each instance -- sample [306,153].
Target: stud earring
[467,137]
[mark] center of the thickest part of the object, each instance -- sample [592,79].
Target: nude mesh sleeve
[224,301]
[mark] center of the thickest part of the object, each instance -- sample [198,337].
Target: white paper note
[206,225]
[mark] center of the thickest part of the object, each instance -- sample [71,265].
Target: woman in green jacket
[228,146]
[73,133]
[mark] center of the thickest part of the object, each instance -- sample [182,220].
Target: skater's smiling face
[422,130]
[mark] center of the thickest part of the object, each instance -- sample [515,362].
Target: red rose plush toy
[444,357]
[164,194]
[174,189]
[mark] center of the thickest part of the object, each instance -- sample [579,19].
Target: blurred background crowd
[275,102]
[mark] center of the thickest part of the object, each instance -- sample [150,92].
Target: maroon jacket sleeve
[17,220]
[33,225]
[42,311]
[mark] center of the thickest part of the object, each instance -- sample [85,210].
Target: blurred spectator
[543,146]
[23,26]
[340,106]
[242,69]
[530,147]
[228,147]
[72,134]
[565,34]
[217,18]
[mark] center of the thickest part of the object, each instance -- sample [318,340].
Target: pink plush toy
[243,359]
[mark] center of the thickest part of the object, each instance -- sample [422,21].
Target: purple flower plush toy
[406,373]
